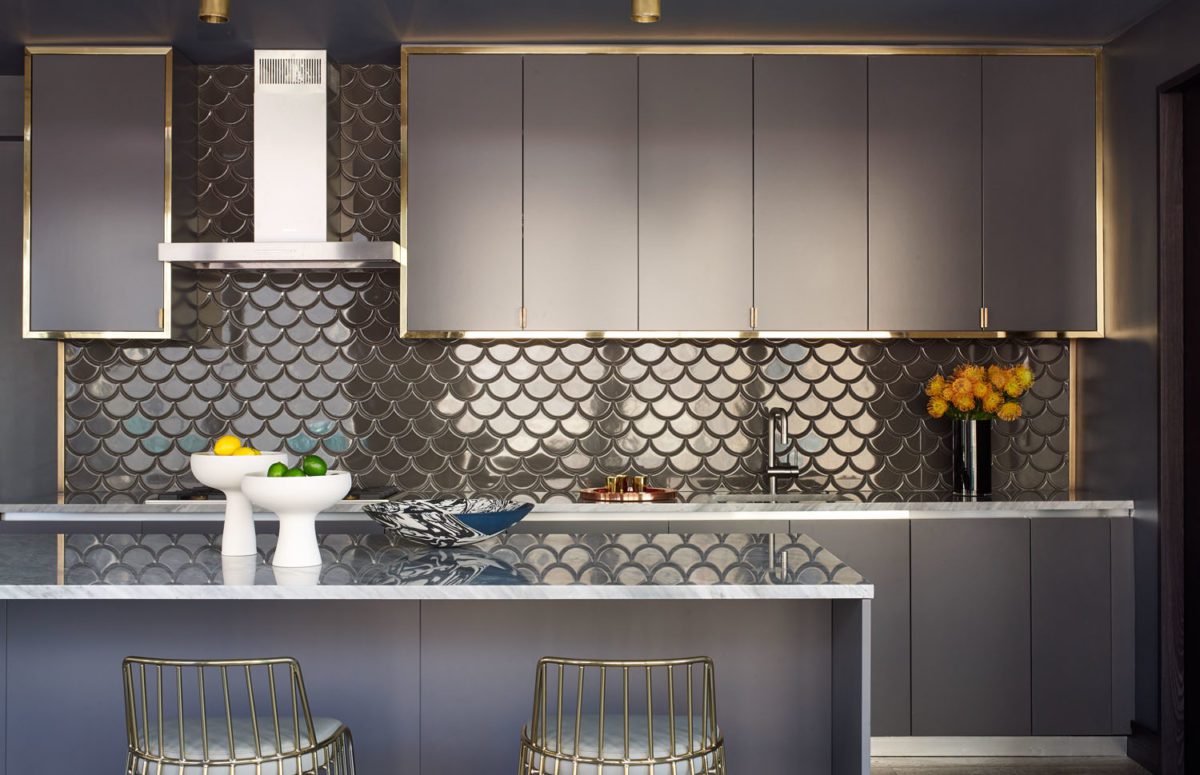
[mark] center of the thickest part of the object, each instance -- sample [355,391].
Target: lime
[293,472]
[227,445]
[277,469]
[314,466]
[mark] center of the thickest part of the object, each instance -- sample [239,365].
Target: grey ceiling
[368,30]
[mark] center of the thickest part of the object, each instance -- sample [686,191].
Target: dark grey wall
[1119,382]
[27,422]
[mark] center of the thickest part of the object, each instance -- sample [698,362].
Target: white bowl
[225,473]
[297,500]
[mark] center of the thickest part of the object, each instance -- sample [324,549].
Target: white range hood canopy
[291,130]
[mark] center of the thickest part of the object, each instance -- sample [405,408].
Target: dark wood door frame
[1179,447]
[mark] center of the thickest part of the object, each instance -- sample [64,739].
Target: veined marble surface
[551,566]
[898,505]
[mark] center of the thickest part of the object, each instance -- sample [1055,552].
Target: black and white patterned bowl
[447,522]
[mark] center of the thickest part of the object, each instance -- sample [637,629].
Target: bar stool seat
[326,732]
[681,761]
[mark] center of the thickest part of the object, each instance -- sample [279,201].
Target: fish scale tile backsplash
[312,362]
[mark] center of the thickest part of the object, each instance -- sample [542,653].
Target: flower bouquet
[972,396]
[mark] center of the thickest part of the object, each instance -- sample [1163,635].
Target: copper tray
[650,495]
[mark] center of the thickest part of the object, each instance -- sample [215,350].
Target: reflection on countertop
[372,565]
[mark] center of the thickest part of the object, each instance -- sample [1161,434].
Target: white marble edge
[433,592]
[879,509]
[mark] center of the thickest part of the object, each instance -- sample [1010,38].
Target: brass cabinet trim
[815,49]
[638,334]
[167,53]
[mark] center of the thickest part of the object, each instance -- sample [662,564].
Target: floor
[1013,766]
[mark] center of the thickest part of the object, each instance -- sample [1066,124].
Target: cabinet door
[970,627]
[1072,635]
[1039,184]
[464,192]
[581,192]
[97,187]
[695,193]
[925,193]
[878,549]
[810,193]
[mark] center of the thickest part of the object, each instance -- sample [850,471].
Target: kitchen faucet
[777,429]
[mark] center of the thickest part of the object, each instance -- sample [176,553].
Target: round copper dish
[650,495]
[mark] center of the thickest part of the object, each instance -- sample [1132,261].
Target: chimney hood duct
[292,92]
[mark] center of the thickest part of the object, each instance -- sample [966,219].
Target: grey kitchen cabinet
[463,214]
[98,194]
[810,192]
[695,200]
[581,192]
[1039,193]
[925,195]
[971,627]
[1072,627]
[878,549]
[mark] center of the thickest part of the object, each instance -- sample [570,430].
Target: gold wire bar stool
[604,717]
[227,717]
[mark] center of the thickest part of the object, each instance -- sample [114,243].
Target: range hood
[292,91]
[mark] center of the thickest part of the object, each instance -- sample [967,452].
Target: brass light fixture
[646,11]
[214,11]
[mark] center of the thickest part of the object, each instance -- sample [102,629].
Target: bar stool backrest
[572,694]
[196,713]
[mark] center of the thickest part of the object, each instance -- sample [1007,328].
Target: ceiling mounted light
[214,11]
[646,11]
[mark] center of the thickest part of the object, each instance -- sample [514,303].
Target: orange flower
[964,403]
[974,372]
[962,387]
[936,385]
[1024,375]
[1014,388]
[1009,411]
[992,401]
[937,407]
[948,393]
[981,389]
[998,377]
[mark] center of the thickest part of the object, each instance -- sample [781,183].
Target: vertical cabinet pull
[983,317]
[162,317]
[754,318]
[523,315]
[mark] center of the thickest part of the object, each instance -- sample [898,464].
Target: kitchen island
[405,642]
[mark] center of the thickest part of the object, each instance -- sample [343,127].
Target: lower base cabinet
[971,627]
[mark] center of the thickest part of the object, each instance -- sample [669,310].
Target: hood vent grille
[295,70]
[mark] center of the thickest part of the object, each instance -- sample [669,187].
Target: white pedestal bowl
[225,473]
[297,500]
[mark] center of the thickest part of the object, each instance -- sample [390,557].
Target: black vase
[972,447]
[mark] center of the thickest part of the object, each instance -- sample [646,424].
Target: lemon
[227,445]
[244,452]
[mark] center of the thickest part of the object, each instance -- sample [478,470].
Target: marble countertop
[44,565]
[913,505]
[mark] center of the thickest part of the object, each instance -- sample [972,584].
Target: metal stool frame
[148,682]
[542,743]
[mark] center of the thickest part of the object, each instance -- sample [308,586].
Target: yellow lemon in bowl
[243,451]
[228,445]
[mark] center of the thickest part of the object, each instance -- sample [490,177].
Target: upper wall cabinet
[98,193]
[1039,193]
[925,194]
[810,193]
[581,192]
[464,193]
[695,204]
[643,193]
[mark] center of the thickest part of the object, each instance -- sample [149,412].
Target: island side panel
[360,661]
[851,695]
[773,667]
